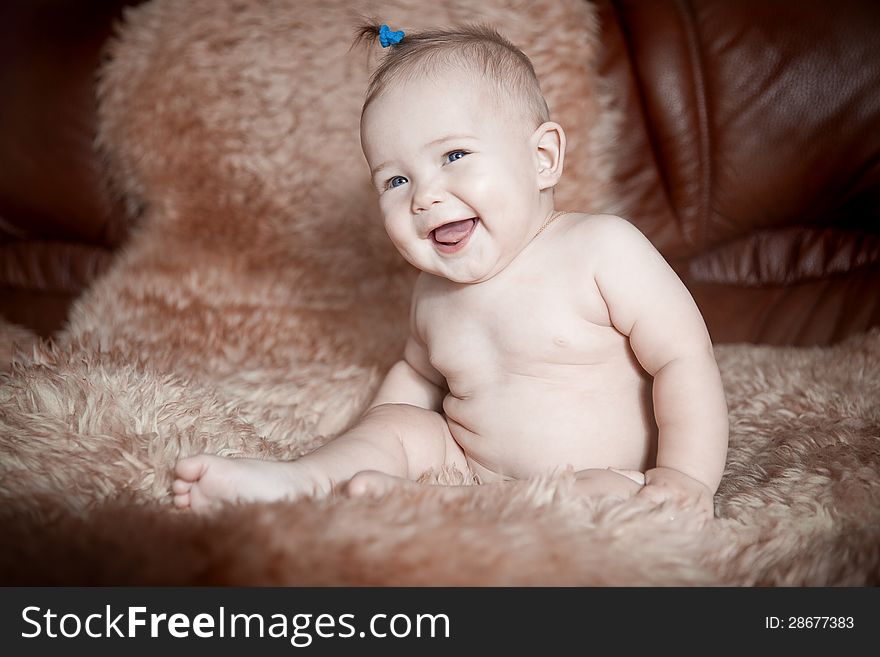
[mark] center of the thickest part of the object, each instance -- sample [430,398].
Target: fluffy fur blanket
[259,303]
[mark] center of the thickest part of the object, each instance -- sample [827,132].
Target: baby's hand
[667,484]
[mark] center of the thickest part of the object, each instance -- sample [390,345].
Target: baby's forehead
[456,79]
[446,89]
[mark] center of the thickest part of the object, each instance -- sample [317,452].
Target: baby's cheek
[484,185]
[392,227]
[404,241]
[399,244]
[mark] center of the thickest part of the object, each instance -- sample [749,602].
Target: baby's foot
[205,481]
[372,482]
[375,483]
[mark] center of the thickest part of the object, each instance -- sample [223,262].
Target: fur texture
[259,303]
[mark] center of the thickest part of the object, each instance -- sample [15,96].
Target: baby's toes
[192,468]
[181,487]
[182,500]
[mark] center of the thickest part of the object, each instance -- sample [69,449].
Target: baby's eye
[396,181]
[452,156]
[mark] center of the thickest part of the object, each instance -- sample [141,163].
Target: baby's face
[456,175]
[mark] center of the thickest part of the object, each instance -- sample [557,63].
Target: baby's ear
[549,144]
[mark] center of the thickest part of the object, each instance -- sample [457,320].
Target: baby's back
[538,376]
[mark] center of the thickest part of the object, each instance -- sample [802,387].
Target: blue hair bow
[389,38]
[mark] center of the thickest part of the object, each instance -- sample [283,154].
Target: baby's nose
[425,196]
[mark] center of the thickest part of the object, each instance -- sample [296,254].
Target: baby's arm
[412,380]
[648,302]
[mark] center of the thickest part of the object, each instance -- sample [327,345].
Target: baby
[539,340]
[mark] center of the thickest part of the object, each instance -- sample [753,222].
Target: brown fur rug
[259,303]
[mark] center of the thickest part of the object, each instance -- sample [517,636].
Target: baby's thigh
[598,483]
[428,440]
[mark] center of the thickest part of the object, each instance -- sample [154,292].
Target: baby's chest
[482,334]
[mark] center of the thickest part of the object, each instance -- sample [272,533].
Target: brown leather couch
[59,226]
[749,154]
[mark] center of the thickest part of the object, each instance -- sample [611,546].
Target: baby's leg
[395,439]
[425,433]
[598,483]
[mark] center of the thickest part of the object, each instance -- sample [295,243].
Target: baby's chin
[463,274]
[466,268]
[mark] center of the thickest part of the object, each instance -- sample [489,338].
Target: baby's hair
[478,49]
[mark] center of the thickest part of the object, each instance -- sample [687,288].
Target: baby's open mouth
[453,233]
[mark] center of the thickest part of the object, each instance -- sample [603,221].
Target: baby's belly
[521,426]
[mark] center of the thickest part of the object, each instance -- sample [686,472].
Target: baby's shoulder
[603,226]
[602,234]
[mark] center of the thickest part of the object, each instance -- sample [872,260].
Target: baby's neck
[554,215]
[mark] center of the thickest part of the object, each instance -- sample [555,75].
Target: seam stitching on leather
[699,86]
[645,116]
